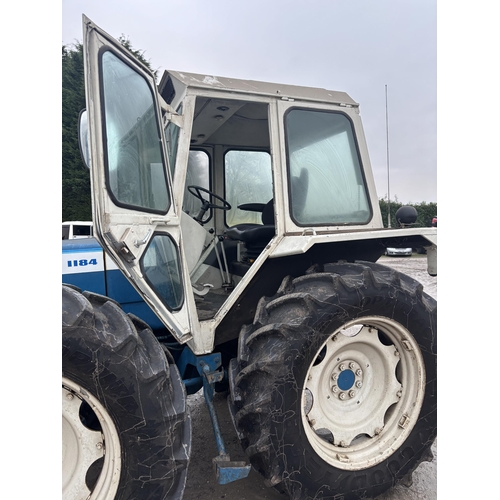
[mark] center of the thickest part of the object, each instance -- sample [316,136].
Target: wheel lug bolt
[343,444]
[342,395]
[69,396]
[342,367]
[351,365]
[359,372]
[335,389]
[99,446]
[334,376]
[352,394]
[359,384]
[377,431]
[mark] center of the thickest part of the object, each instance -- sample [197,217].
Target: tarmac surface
[201,481]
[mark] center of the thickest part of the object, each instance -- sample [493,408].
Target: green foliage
[138,54]
[76,200]
[425,211]
[76,203]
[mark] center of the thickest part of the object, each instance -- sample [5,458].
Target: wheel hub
[359,388]
[346,378]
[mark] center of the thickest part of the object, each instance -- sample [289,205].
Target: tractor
[244,215]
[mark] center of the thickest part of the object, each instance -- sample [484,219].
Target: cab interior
[228,213]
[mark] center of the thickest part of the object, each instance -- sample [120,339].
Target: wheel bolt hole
[89,418]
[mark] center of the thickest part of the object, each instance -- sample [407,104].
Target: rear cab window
[248,180]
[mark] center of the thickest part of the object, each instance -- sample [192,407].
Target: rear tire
[126,428]
[328,409]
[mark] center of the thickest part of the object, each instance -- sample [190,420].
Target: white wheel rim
[363,396]
[81,447]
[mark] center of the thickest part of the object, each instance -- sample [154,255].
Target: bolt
[69,396]
[407,345]
[334,376]
[342,367]
[99,446]
[351,365]
[359,384]
[343,444]
[399,394]
[377,431]
[396,353]
[342,395]
[309,377]
[335,389]
[359,372]
[352,394]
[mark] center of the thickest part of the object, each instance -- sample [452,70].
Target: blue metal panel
[85,265]
[92,282]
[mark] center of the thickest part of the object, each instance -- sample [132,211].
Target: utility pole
[388,181]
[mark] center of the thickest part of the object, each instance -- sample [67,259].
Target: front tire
[126,428]
[334,388]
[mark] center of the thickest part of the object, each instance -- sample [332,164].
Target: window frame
[289,174]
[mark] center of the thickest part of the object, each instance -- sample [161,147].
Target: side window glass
[197,174]
[248,179]
[134,162]
[160,266]
[326,180]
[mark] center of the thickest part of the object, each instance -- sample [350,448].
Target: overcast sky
[356,46]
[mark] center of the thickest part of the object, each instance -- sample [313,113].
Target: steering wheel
[207,204]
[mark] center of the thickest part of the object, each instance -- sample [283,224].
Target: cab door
[133,209]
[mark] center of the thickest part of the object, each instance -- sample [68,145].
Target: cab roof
[201,81]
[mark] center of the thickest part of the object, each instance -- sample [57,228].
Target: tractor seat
[255,235]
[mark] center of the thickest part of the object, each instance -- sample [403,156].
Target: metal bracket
[209,368]
[432,260]
[121,247]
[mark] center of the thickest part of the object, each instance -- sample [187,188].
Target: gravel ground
[201,480]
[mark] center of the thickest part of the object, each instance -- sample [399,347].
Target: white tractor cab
[245,214]
[210,190]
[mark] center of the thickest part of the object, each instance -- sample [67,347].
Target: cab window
[135,171]
[248,179]
[326,182]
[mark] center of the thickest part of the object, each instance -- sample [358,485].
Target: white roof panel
[261,88]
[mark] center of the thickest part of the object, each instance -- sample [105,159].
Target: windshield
[326,180]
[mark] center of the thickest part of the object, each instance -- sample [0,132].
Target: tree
[76,204]
[76,200]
